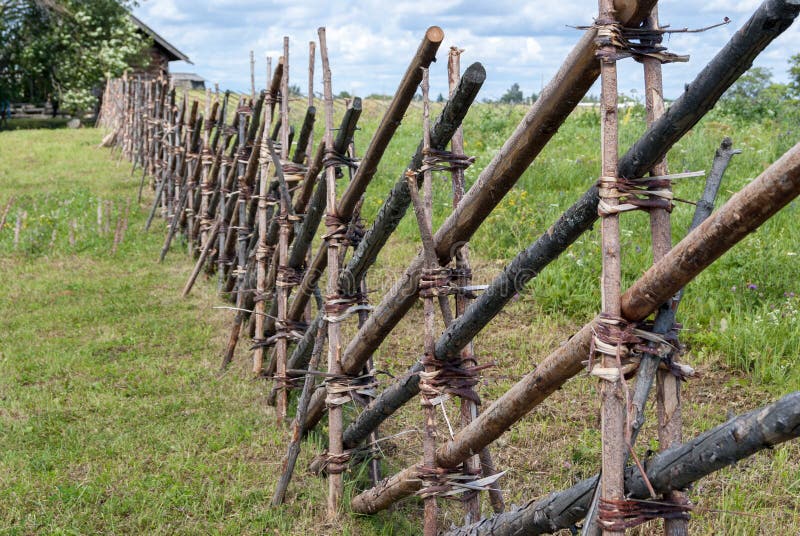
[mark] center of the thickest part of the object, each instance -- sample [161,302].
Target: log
[673,469]
[555,103]
[425,55]
[612,406]
[305,135]
[665,319]
[398,200]
[394,207]
[742,214]
[637,161]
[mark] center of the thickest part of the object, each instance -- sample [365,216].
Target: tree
[794,75]
[513,95]
[754,95]
[60,50]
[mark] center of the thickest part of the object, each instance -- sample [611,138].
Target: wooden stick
[769,21]
[668,390]
[335,483]
[469,410]
[741,215]
[283,244]
[300,418]
[5,212]
[212,234]
[262,253]
[311,56]
[423,210]
[252,76]
[611,392]
[673,469]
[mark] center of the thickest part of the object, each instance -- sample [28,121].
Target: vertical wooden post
[261,249]
[281,284]
[612,405]
[310,150]
[335,483]
[422,210]
[469,409]
[252,76]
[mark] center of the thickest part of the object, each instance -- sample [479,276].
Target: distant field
[115,419]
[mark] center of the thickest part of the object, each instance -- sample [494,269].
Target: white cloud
[372,41]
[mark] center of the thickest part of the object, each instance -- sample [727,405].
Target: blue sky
[371,41]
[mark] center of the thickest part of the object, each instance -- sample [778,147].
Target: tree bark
[745,211]
[769,20]
[425,55]
[556,102]
[673,469]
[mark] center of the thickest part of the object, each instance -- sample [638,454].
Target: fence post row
[247,200]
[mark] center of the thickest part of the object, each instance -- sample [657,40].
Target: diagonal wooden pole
[772,190]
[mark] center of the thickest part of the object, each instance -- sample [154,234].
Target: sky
[371,42]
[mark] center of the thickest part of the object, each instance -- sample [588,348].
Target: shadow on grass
[32,123]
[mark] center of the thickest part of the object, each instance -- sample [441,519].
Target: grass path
[114,418]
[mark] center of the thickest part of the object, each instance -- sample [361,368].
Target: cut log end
[475,73]
[434,34]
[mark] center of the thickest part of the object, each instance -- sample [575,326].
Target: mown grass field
[116,420]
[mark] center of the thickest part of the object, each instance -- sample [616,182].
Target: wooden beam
[673,469]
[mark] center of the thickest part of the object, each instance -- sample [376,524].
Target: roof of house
[193,77]
[173,53]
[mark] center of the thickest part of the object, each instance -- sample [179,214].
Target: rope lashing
[450,483]
[333,158]
[630,42]
[293,172]
[339,307]
[615,337]
[449,378]
[621,514]
[436,160]
[440,282]
[288,276]
[284,329]
[633,195]
[336,228]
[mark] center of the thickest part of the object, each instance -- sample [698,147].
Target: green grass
[115,419]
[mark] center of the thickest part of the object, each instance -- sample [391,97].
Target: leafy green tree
[60,50]
[513,95]
[754,95]
[794,75]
